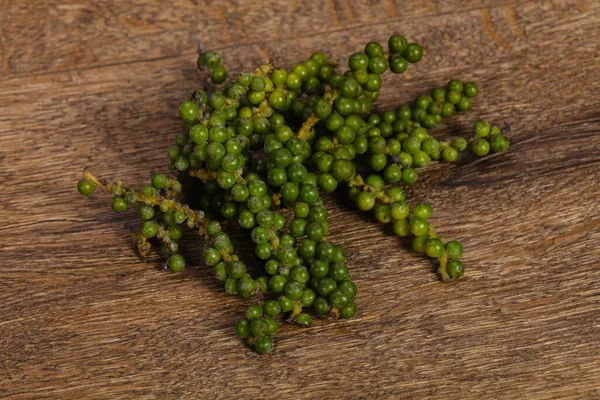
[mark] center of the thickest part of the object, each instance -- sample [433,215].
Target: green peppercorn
[455,268]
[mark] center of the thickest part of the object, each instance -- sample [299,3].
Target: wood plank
[81,316]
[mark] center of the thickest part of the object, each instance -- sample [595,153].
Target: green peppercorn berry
[420,159]
[218,74]
[470,89]
[413,53]
[326,286]
[322,305]
[271,325]
[430,146]
[220,270]
[271,308]
[304,319]
[454,250]
[339,271]
[434,248]
[253,312]
[480,147]
[499,143]
[293,290]
[119,204]
[455,269]
[365,201]
[339,298]
[419,244]
[464,104]
[85,187]
[242,327]
[449,154]
[176,263]
[263,345]
[422,210]
[277,283]
[343,170]
[348,311]
[402,227]
[399,210]
[392,173]
[447,110]
[358,61]
[397,44]
[382,213]
[286,304]
[481,128]
[210,254]
[377,65]
[409,176]
[455,85]
[231,286]
[188,111]
[149,229]
[146,212]
[327,182]
[246,287]
[419,226]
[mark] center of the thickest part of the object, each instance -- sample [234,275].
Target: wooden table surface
[97,84]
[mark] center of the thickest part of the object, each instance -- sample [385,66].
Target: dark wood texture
[90,83]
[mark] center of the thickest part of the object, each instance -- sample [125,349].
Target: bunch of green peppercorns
[276,138]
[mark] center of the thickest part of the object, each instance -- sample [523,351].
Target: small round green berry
[480,147]
[422,210]
[454,250]
[293,290]
[455,85]
[402,227]
[247,287]
[481,128]
[455,269]
[409,176]
[413,53]
[419,226]
[434,248]
[286,304]
[263,345]
[397,44]
[119,204]
[176,263]
[348,311]
[253,312]
[188,111]
[464,104]
[149,229]
[231,286]
[399,210]
[470,89]
[358,61]
[242,327]
[365,201]
[419,244]
[449,154]
[218,74]
[304,319]
[85,187]
[499,143]
[339,298]
[321,306]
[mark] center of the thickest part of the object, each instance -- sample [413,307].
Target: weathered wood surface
[96,84]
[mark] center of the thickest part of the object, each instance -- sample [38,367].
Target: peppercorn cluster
[275,139]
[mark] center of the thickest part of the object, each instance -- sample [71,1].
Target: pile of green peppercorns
[277,138]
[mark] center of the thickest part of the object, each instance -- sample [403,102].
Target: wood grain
[87,83]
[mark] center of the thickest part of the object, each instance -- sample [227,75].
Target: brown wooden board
[97,84]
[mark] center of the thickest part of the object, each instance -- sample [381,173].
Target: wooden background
[90,83]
